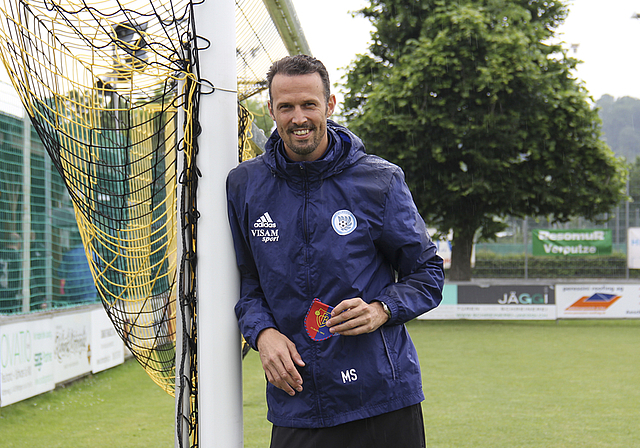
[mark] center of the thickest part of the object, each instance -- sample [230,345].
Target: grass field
[570,384]
[566,384]
[120,407]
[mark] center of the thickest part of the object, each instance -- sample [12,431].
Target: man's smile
[301,132]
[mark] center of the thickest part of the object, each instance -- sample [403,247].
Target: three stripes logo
[265,221]
[266,229]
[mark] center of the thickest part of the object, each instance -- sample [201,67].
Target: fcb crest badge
[316,320]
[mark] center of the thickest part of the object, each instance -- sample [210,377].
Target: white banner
[71,354]
[605,301]
[516,312]
[107,349]
[26,360]
[633,247]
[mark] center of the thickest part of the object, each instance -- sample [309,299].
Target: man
[317,218]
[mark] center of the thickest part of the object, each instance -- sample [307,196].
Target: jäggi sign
[571,242]
[506,295]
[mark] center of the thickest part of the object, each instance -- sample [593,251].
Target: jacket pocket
[388,353]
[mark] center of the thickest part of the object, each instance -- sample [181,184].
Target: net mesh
[100,87]
[103,83]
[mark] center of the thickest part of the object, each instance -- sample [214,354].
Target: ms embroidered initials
[349,375]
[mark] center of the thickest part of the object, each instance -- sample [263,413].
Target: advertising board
[523,302]
[26,360]
[72,348]
[107,349]
[577,242]
[499,302]
[598,301]
[633,247]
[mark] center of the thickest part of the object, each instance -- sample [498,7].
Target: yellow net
[103,83]
[100,84]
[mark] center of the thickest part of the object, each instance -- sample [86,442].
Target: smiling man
[300,111]
[347,263]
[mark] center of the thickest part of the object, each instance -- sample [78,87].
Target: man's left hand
[352,317]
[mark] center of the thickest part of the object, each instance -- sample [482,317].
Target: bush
[492,265]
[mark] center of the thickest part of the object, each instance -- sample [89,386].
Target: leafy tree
[634,183]
[483,114]
[621,124]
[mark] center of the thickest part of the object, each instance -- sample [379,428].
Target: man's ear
[331,105]
[270,110]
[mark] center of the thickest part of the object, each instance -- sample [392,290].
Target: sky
[606,36]
[607,40]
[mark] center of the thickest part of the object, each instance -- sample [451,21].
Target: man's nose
[298,116]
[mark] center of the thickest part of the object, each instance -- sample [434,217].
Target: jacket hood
[345,149]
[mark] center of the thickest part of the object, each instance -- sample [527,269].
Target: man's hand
[278,355]
[355,316]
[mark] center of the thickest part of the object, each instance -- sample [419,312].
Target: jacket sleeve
[406,243]
[252,310]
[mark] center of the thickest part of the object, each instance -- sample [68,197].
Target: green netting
[44,243]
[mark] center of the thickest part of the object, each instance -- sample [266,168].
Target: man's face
[300,111]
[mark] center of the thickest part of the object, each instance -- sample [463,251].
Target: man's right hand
[278,355]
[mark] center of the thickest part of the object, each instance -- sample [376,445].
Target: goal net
[112,89]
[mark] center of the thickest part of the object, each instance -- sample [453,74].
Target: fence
[511,255]
[38,231]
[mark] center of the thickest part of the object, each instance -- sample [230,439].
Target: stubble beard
[303,148]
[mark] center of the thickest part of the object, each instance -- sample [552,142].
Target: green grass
[530,384]
[120,407]
[508,384]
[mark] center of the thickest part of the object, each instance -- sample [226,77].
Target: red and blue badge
[316,321]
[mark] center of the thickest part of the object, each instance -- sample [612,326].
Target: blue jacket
[336,228]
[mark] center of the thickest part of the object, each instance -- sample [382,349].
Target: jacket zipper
[306,237]
[305,188]
[305,221]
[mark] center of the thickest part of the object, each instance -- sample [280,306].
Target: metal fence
[510,256]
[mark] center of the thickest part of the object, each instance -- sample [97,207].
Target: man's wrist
[385,308]
[261,333]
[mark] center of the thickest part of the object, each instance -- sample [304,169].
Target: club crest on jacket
[343,222]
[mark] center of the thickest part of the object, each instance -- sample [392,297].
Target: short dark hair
[300,64]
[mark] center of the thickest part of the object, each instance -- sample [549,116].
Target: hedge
[492,265]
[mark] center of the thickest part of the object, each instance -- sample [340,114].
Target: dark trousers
[403,428]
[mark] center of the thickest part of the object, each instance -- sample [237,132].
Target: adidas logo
[265,221]
[265,229]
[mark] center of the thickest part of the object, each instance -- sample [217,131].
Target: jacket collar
[344,149]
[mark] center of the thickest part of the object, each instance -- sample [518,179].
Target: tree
[621,125]
[483,114]
[634,184]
